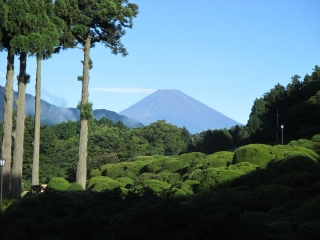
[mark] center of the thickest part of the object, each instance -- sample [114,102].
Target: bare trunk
[83,141]
[16,185]
[36,141]
[7,123]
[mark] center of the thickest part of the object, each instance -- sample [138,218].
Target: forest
[99,179]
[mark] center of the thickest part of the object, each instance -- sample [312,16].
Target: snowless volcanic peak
[179,109]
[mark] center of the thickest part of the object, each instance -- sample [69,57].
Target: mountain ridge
[179,109]
[51,114]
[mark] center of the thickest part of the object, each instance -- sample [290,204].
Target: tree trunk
[7,123]
[83,141]
[16,184]
[36,141]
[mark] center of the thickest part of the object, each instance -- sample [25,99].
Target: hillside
[51,114]
[179,109]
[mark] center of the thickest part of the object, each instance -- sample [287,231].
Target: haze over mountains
[173,106]
[178,109]
[51,114]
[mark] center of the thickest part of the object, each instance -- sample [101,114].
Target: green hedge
[57,183]
[102,183]
[218,159]
[307,211]
[299,162]
[74,187]
[273,196]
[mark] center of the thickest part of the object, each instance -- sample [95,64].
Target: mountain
[51,114]
[179,109]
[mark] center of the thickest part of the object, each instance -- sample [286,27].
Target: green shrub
[112,170]
[316,187]
[214,177]
[57,183]
[303,194]
[299,162]
[218,159]
[169,177]
[202,197]
[258,154]
[273,196]
[74,187]
[147,176]
[139,166]
[316,138]
[128,182]
[156,185]
[117,169]
[130,175]
[244,167]
[189,157]
[144,158]
[95,173]
[296,179]
[155,166]
[173,166]
[301,143]
[259,217]
[307,211]
[102,183]
[308,230]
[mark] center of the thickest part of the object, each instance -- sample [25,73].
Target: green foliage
[316,187]
[157,186]
[299,162]
[173,166]
[316,138]
[115,170]
[273,196]
[161,138]
[102,183]
[190,157]
[147,176]
[307,211]
[128,182]
[214,177]
[169,177]
[244,167]
[155,166]
[258,154]
[57,183]
[296,179]
[74,187]
[85,110]
[216,140]
[218,159]
[259,217]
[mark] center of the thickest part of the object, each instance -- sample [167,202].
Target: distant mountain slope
[51,114]
[179,109]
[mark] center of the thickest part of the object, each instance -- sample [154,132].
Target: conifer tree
[91,22]
[8,28]
[44,42]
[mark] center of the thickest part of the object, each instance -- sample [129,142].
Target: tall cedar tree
[44,42]
[23,19]
[93,21]
[6,36]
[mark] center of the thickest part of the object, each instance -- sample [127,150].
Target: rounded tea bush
[299,162]
[273,196]
[102,183]
[258,154]
[57,183]
[74,187]
[307,211]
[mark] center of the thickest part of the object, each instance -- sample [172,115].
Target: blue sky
[224,53]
